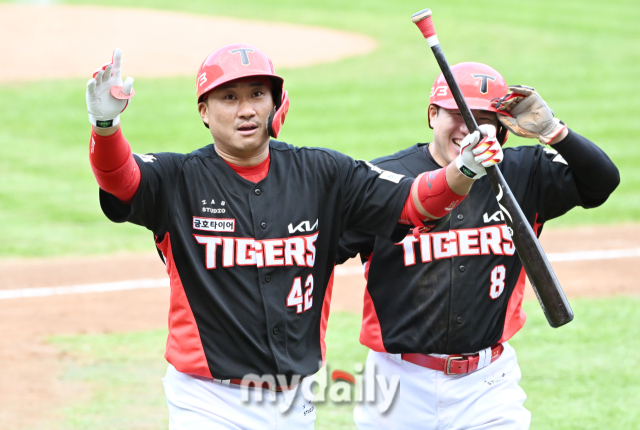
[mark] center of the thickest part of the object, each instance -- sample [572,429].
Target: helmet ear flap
[502,134]
[275,121]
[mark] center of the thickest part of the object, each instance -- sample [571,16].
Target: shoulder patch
[147,158]
[558,158]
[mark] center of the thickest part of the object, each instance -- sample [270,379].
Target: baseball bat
[552,299]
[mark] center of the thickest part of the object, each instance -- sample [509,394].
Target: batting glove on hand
[478,152]
[107,96]
[532,117]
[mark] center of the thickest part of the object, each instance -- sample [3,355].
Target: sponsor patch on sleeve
[384,174]
[214,224]
[390,176]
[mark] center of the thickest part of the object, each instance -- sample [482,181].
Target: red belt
[261,384]
[453,364]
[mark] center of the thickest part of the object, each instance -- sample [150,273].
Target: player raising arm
[248,228]
[439,308]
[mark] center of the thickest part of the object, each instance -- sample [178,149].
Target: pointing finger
[117,60]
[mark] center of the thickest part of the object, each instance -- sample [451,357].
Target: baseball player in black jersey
[248,228]
[439,307]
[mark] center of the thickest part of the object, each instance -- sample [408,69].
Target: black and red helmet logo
[484,83]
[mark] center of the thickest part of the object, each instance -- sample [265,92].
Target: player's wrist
[106,131]
[102,123]
[457,181]
[465,170]
[558,135]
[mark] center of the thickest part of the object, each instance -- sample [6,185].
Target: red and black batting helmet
[479,84]
[239,61]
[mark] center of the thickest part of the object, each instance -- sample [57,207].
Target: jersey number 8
[295,297]
[498,275]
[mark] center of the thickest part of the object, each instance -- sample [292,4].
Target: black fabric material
[429,302]
[237,308]
[594,173]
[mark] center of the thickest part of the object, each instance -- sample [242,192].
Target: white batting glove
[477,152]
[107,96]
[532,117]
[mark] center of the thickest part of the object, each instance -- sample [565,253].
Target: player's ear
[433,113]
[203,108]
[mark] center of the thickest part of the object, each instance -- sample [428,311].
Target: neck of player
[248,159]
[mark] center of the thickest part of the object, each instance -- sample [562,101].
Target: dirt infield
[63,41]
[30,392]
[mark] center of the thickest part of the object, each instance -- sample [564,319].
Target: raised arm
[110,154]
[594,173]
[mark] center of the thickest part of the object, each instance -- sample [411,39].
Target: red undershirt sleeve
[113,165]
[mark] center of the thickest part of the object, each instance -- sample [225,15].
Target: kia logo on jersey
[496,217]
[303,227]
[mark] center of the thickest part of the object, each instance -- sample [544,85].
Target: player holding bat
[440,307]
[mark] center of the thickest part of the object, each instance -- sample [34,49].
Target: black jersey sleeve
[594,173]
[152,205]
[373,198]
[353,243]
[564,183]
[552,179]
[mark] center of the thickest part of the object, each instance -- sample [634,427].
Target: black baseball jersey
[251,263]
[459,290]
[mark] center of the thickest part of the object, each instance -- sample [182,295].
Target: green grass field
[581,376]
[583,62]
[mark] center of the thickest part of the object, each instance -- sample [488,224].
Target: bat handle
[425,24]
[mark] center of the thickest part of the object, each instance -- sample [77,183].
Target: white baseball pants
[204,404]
[489,398]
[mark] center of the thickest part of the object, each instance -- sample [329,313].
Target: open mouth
[456,142]
[247,128]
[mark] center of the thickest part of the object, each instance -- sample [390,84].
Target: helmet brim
[228,77]
[473,103]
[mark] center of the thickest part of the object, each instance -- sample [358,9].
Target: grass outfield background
[576,377]
[582,56]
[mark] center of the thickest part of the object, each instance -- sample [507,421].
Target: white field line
[339,271]
[594,255]
[87,288]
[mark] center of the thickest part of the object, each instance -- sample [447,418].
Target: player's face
[449,129]
[237,116]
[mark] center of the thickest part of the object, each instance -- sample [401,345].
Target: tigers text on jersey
[251,263]
[458,290]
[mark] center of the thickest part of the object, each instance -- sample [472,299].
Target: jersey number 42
[297,298]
